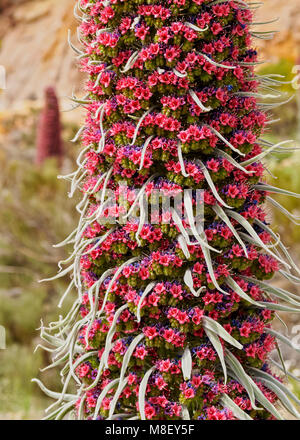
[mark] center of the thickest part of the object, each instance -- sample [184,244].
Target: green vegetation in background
[35,213]
[284,67]
[285,167]
[287,127]
[288,176]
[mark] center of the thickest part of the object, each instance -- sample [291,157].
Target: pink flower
[251,351]
[232,191]
[245,330]
[150,332]
[168,335]
[189,393]
[141,32]
[149,411]
[127,271]
[140,352]
[84,370]
[165,365]
[160,383]
[153,300]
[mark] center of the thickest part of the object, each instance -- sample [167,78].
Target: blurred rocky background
[33,36]
[35,211]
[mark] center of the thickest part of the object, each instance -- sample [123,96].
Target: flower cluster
[191,99]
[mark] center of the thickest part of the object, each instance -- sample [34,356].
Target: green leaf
[214,326]
[211,184]
[260,397]
[186,364]
[237,289]
[227,402]
[215,341]
[198,102]
[185,415]
[276,382]
[282,338]
[115,399]
[221,214]
[142,392]
[102,396]
[143,296]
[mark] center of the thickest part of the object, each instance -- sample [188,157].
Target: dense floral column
[172,321]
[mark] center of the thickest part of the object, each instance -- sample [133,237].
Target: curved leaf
[227,402]
[185,415]
[186,364]
[221,214]
[237,289]
[260,397]
[115,399]
[142,392]
[102,396]
[198,102]
[143,296]
[282,338]
[214,326]
[215,341]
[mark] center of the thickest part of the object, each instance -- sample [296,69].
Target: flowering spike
[49,142]
[175,314]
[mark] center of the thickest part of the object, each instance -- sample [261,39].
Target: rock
[35,51]
[287,40]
